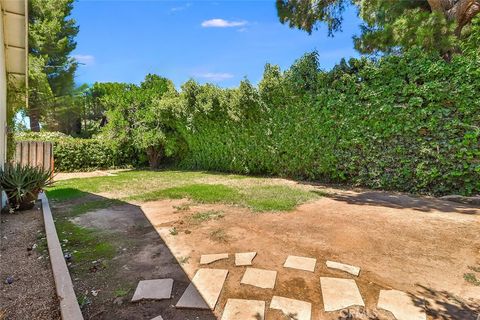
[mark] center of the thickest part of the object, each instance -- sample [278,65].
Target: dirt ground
[419,245]
[32,293]
[89,174]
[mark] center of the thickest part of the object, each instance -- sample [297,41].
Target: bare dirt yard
[27,288]
[423,246]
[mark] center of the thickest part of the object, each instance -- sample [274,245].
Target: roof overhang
[15,27]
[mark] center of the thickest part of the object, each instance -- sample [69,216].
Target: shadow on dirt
[397,200]
[139,254]
[443,305]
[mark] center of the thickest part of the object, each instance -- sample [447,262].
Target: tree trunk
[34,115]
[460,11]
[154,156]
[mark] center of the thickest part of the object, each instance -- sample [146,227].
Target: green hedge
[75,154]
[406,123]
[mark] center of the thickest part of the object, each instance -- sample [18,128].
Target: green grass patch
[203,193]
[59,193]
[182,207]
[125,182]
[121,292]
[201,187]
[85,245]
[275,197]
[471,278]
[207,215]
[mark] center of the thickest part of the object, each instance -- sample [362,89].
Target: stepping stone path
[239,309]
[295,309]
[339,293]
[300,263]
[204,290]
[244,258]
[259,278]
[153,289]
[209,258]
[344,267]
[400,304]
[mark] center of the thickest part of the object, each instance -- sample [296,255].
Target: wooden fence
[34,153]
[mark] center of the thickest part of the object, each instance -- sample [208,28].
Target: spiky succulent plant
[22,183]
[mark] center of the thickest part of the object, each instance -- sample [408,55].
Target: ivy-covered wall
[408,123]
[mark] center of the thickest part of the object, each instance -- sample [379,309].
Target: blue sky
[217,41]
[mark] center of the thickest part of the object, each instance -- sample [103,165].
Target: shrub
[407,123]
[76,154]
[23,183]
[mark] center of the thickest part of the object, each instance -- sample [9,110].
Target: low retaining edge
[69,307]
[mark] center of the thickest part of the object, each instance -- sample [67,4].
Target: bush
[76,154]
[407,123]
[22,184]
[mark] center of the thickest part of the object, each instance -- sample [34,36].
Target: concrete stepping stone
[344,267]
[295,309]
[157,318]
[209,258]
[340,293]
[204,290]
[400,304]
[300,263]
[239,309]
[157,289]
[244,258]
[259,278]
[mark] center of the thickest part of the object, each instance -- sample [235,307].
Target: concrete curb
[69,307]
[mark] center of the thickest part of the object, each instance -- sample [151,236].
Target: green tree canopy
[142,116]
[390,25]
[51,40]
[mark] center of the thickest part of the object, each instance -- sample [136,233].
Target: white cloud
[181,8]
[215,76]
[220,23]
[85,59]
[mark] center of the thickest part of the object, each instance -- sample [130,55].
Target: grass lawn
[259,194]
[99,255]
[117,233]
[75,197]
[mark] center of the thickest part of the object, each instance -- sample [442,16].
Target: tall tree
[143,116]
[389,25]
[51,40]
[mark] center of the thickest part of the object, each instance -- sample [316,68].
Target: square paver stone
[239,309]
[400,304]
[157,289]
[344,267]
[295,309]
[204,290]
[259,278]
[244,258]
[340,293]
[209,258]
[157,318]
[301,263]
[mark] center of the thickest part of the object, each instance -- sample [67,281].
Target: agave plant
[23,183]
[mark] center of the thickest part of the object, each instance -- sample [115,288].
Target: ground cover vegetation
[258,194]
